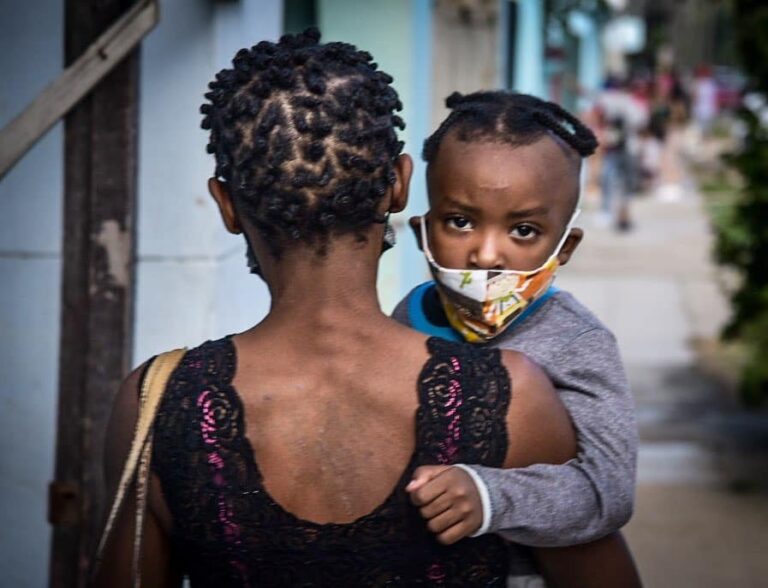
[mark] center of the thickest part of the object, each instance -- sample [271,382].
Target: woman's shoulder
[215,353]
[537,417]
[484,360]
[212,359]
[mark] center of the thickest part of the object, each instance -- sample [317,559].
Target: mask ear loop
[563,239]
[425,240]
[576,212]
[567,233]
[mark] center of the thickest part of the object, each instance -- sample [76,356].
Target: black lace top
[228,531]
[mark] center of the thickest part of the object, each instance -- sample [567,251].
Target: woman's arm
[158,569]
[588,497]
[539,427]
[452,499]
[605,563]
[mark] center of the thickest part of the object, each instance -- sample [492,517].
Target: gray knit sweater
[592,495]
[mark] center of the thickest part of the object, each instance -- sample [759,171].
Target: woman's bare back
[330,419]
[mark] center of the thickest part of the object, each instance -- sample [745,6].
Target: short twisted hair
[304,135]
[511,118]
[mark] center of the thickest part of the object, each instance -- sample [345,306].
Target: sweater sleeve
[593,494]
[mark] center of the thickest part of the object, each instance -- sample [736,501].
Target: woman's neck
[337,289]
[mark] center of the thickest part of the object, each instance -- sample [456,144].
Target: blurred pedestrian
[670,174]
[649,158]
[615,116]
[679,101]
[705,104]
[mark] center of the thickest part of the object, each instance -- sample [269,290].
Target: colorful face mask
[480,304]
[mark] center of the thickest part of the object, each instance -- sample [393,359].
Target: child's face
[494,206]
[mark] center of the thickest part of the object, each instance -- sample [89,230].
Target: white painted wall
[398,33]
[193,283]
[31,197]
[192,280]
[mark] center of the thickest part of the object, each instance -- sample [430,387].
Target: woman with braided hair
[281,455]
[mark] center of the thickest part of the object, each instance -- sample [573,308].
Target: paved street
[701,518]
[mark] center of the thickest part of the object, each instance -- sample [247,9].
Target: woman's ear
[403,169]
[570,245]
[223,199]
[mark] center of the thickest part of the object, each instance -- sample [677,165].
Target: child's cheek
[448,252]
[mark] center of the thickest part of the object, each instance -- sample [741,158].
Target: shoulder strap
[464,395]
[152,389]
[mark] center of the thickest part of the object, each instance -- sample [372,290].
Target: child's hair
[511,118]
[304,136]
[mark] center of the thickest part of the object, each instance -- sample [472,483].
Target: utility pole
[97,287]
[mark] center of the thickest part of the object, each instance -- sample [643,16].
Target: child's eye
[460,223]
[524,232]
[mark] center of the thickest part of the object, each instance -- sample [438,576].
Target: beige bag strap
[138,462]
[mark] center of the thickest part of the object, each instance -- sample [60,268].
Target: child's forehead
[518,175]
[548,148]
[491,162]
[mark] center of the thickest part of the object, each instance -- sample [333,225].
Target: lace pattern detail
[228,531]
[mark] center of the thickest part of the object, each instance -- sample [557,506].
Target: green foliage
[751,25]
[743,230]
[754,384]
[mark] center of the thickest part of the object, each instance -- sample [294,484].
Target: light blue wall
[30,269]
[413,266]
[529,48]
[398,35]
[590,62]
[382,28]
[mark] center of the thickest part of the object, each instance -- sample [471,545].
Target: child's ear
[223,199]
[415,223]
[570,245]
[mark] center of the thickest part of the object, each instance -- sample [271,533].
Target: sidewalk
[701,517]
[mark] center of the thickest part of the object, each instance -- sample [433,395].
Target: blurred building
[191,281]
[693,32]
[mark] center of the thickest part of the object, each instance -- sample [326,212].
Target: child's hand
[448,499]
